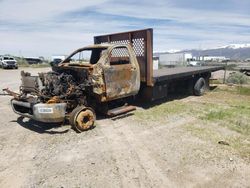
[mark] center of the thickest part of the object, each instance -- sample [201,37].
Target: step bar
[120,110]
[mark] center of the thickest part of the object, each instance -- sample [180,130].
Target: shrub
[237,78]
[22,62]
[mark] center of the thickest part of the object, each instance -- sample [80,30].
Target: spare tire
[200,87]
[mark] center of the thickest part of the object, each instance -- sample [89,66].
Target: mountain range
[232,51]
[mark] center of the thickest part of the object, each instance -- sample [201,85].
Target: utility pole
[225,73]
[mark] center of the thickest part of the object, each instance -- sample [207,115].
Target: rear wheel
[82,118]
[200,87]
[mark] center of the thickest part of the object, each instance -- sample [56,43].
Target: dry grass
[161,111]
[222,114]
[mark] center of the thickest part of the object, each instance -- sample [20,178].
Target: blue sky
[47,27]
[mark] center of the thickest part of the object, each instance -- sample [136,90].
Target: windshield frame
[67,59]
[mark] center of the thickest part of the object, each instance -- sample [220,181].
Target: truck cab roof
[96,51]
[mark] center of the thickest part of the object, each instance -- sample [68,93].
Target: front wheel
[82,118]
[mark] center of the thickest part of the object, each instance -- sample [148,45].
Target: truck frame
[120,67]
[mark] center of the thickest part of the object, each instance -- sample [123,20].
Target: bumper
[49,113]
[9,66]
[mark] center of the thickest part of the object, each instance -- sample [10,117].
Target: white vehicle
[196,63]
[56,59]
[8,62]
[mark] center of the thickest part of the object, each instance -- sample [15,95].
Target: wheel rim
[85,119]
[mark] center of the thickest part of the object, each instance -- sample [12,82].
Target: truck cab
[88,80]
[112,68]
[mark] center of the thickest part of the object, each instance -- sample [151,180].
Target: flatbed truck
[119,67]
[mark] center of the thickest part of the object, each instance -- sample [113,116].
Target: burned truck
[99,78]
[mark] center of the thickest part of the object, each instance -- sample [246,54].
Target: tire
[82,118]
[200,87]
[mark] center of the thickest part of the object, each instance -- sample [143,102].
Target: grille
[11,62]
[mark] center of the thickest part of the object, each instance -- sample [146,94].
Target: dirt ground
[170,144]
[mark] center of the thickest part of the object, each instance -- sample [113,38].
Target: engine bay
[52,85]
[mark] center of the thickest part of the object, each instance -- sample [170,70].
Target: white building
[174,58]
[213,58]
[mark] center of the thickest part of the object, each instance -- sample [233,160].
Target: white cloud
[169,11]
[45,28]
[26,11]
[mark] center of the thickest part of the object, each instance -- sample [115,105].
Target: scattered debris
[223,143]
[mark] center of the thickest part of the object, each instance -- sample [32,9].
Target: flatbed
[181,72]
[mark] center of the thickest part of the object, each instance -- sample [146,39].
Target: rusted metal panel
[142,43]
[149,57]
[118,81]
[121,73]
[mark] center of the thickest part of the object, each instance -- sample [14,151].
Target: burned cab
[87,80]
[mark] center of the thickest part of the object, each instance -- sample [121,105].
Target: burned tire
[82,118]
[200,87]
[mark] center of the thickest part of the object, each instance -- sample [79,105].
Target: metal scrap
[63,86]
[11,93]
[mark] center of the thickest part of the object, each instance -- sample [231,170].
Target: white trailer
[175,59]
